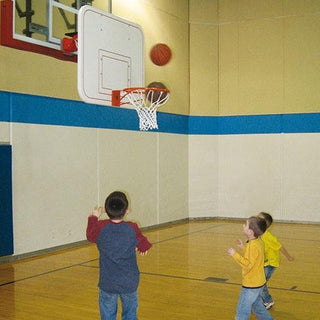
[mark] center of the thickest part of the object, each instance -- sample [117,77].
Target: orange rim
[132,89]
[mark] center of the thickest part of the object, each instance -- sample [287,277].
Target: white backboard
[110,55]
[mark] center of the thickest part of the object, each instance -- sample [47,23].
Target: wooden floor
[186,275]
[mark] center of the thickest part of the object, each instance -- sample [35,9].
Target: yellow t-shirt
[252,264]
[271,249]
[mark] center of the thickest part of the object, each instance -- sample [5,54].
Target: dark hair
[257,225]
[267,217]
[116,205]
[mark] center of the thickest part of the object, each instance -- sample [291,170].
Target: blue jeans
[266,297]
[108,303]
[250,299]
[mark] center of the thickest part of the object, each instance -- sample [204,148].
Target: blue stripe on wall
[302,122]
[52,111]
[4,106]
[235,124]
[256,124]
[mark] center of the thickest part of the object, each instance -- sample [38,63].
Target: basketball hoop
[145,100]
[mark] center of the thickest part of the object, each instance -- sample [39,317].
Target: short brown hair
[266,216]
[257,225]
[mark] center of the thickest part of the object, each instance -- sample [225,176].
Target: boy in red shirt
[117,241]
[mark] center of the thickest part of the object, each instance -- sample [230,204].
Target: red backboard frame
[8,40]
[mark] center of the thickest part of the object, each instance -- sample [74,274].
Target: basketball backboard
[110,55]
[39,25]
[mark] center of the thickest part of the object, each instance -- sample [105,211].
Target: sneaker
[268,305]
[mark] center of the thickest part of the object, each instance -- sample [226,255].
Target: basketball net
[146,101]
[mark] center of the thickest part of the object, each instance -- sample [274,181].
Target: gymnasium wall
[248,140]
[254,139]
[67,155]
[254,57]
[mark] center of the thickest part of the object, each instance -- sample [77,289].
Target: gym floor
[187,274]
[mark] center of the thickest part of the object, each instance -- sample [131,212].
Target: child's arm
[286,253]
[245,262]
[96,212]
[143,244]
[93,226]
[231,251]
[242,261]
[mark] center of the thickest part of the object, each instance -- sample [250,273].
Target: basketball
[160,54]
[154,96]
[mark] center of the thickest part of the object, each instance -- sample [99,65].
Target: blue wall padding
[6,228]
[23,108]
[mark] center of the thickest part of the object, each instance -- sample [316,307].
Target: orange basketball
[160,54]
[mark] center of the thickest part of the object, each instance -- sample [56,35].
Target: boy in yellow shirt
[272,249]
[253,277]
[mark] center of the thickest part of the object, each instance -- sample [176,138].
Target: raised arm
[94,226]
[286,253]
[246,262]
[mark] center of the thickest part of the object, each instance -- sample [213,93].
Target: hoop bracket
[116,98]
[69,45]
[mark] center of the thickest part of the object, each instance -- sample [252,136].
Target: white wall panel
[277,173]
[4,132]
[128,162]
[301,183]
[54,184]
[173,177]
[203,176]
[61,173]
[249,174]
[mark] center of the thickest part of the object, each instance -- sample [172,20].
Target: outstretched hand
[143,253]
[240,243]
[231,251]
[96,211]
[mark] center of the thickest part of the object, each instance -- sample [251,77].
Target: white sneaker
[268,305]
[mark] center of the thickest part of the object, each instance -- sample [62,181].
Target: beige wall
[204,57]
[31,73]
[61,172]
[161,21]
[246,57]
[164,21]
[254,57]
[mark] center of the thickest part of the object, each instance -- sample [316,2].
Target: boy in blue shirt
[117,241]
